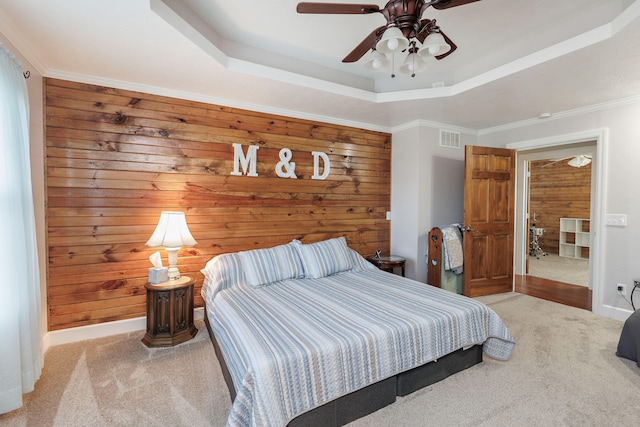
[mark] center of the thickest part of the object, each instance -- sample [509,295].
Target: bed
[313,334]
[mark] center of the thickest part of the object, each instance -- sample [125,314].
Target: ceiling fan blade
[330,8]
[446,4]
[556,161]
[364,46]
[450,43]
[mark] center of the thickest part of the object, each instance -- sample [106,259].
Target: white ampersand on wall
[285,167]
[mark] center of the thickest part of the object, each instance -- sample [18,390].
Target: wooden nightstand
[170,313]
[388,263]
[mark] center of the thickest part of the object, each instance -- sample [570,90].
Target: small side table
[388,263]
[169,313]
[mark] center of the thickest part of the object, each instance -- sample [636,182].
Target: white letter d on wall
[316,165]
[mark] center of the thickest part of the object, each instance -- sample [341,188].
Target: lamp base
[174,275]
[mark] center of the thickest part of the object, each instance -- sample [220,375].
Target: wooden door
[489,204]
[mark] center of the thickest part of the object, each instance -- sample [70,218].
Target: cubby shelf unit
[574,238]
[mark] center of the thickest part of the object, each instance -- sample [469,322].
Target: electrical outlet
[622,289]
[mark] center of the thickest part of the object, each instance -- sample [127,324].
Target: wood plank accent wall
[115,159]
[557,191]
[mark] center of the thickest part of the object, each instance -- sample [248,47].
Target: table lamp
[172,232]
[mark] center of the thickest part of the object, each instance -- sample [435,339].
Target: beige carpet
[118,381]
[563,372]
[560,269]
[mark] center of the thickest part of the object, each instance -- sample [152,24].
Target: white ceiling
[515,58]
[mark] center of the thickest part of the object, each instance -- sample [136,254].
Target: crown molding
[13,37]
[563,115]
[436,125]
[192,27]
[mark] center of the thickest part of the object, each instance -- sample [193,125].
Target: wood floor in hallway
[563,293]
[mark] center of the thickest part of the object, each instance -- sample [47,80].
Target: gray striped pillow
[264,266]
[324,258]
[359,262]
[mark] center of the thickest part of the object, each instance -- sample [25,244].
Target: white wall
[415,208]
[405,187]
[426,190]
[619,262]
[36,128]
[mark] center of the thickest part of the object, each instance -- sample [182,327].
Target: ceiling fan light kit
[377,61]
[580,161]
[575,161]
[413,63]
[433,45]
[392,41]
[405,33]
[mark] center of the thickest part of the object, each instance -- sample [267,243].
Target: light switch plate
[616,220]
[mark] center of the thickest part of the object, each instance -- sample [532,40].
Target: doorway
[559,218]
[539,153]
[559,214]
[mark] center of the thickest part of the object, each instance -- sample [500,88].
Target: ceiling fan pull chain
[393,65]
[413,65]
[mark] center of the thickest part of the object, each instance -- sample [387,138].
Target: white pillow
[264,266]
[324,258]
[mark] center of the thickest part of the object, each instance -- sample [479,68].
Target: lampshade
[392,41]
[413,64]
[171,232]
[434,45]
[377,61]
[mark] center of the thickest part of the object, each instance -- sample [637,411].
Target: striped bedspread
[299,343]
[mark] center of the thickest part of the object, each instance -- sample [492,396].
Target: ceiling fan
[576,161]
[405,30]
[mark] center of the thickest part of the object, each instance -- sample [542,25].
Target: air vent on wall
[449,139]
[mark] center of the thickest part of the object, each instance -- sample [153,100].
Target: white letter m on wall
[248,161]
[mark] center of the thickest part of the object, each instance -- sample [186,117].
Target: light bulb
[376,64]
[434,49]
[392,44]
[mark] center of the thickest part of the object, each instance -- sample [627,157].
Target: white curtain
[21,355]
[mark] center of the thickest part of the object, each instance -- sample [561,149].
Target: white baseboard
[81,333]
[615,312]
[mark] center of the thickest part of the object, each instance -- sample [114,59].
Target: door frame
[526,158]
[598,197]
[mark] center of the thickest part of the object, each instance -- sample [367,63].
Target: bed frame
[367,400]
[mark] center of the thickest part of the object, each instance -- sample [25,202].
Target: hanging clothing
[452,248]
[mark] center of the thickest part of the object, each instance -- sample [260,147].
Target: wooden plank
[116,158]
[231,116]
[557,191]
